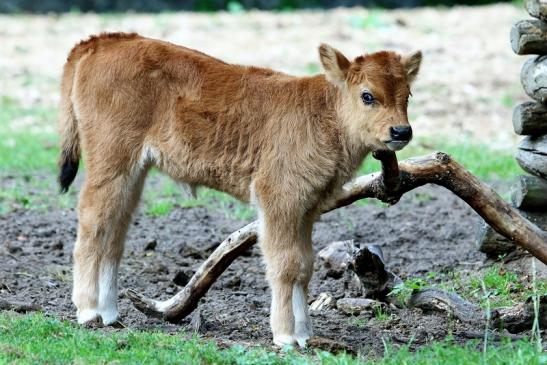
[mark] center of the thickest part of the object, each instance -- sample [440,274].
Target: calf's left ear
[336,65]
[412,63]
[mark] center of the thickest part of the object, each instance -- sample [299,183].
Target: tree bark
[388,186]
[531,155]
[529,37]
[537,8]
[530,118]
[534,78]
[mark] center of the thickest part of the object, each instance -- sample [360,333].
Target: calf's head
[374,91]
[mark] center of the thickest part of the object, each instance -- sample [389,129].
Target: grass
[36,338]
[495,287]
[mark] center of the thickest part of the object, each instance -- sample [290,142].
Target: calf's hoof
[88,316]
[95,317]
[284,340]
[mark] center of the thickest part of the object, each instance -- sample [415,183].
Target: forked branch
[388,186]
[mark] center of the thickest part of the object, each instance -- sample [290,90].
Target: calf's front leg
[289,266]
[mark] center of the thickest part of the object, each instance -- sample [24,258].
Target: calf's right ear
[336,65]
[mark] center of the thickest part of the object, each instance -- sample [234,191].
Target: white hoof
[284,340]
[109,316]
[303,331]
[301,339]
[303,328]
[87,315]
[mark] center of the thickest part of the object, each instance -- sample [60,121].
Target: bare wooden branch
[185,301]
[537,8]
[530,193]
[529,37]
[534,78]
[19,307]
[531,155]
[514,319]
[368,267]
[437,168]
[530,118]
[438,300]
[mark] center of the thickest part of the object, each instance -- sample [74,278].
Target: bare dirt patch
[430,230]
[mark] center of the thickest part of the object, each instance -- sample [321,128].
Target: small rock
[45,232]
[335,257]
[197,323]
[151,245]
[57,245]
[355,306]
[526,265]
[12,249]
[181,278]
[323,301]
[156,268]
[234,282]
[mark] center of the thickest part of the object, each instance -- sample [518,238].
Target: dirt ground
[468,85]
[416,236]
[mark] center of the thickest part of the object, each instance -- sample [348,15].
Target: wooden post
[534,78]
[532,155]
[536,8]
[529,37]
[530,118]
[530,193]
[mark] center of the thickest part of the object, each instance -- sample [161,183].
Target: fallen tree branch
[439,300]
[19,307]
[514,319]
[395,180]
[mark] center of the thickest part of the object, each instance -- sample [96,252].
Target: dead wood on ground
[388,186]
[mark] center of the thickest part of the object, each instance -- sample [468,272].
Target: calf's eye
[367,98]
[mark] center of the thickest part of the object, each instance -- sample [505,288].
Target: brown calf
[287,144]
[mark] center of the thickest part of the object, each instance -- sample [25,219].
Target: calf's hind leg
[104,214]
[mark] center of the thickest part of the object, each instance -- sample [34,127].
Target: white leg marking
[302,322]
[279,339]
[81,288]
[284,340]
[108,293]
[87,315]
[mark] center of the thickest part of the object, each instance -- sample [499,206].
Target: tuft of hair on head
[335,64]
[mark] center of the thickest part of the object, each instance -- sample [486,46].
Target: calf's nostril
[401,133]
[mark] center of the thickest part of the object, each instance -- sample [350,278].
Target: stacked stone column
[529,193]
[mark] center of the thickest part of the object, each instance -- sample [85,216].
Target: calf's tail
[70,140]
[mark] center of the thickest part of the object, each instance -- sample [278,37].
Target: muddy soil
[429,230]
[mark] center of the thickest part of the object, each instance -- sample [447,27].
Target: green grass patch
[493,287]
[29,143]
[35,338]
[481,160]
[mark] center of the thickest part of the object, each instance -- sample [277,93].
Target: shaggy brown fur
[286,143]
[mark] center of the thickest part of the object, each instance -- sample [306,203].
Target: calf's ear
[336,65]
[412,63]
